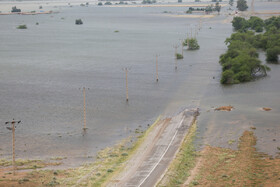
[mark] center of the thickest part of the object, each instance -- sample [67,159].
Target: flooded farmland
[43,68]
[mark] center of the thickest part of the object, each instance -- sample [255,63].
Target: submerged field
[43,67]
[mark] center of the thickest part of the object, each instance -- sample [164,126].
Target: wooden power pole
[126,82]
[84,109]
[13,128]
[157,67]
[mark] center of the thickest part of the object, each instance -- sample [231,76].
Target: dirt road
[149,163]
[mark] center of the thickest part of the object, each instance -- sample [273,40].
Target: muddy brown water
[43,68]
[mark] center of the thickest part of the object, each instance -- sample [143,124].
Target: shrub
[15,9]
[22,27]
[272,54]
[78,22]
[179,56]
[242,5]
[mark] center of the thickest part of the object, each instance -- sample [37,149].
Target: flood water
[43,68]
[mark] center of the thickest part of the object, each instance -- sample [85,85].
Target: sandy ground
[242,167]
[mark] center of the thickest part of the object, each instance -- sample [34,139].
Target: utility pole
[175,47]
[157,67]
[188,41]
[252,7]
[182,45]
[84,109]
[13,128]
[126,82]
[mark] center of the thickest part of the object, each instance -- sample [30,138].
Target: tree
[272,54]
[242,5]
[179,56]
[218,7]
[191,43]
[230,2]
[78,22]
[256,23]
[179,1]
[15,9]
[238,23]
[22,27]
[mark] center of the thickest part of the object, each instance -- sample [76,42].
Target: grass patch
[184,161]
[109,162]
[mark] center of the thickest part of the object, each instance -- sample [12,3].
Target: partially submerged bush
[79,22]
[179,56]
[22,27]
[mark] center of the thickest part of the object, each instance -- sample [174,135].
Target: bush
[22,27]
[238,23]
[108,3]
[242,5]
[179,56]
[78,22]
[193,45]
[15,9]
[272,54]
[100,4]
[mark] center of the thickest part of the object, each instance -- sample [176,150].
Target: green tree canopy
[242,5]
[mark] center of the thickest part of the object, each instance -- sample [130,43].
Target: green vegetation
[184,161]
[78,22]
[194,9]
[108,163]
[22,27]
[15,9]
[242,5]
[100,4]
[179,56]
[231,2]
[149,1]
[240,63]
[108,3]
[218,7]
[191,43]
[180,1]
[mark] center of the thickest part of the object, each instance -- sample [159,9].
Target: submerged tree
[79,22]
[191,43]
[179,56]
[22,27]
[218,7]
[242,5]
[15,9]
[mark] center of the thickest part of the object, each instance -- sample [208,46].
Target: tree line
[240,63]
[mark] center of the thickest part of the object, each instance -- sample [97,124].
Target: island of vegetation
[15,9]
[78,22]
[191,43]
[240,63]
[149,1]
[22,27]
[179,56]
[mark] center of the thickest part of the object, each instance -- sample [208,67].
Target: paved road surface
[150,164]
